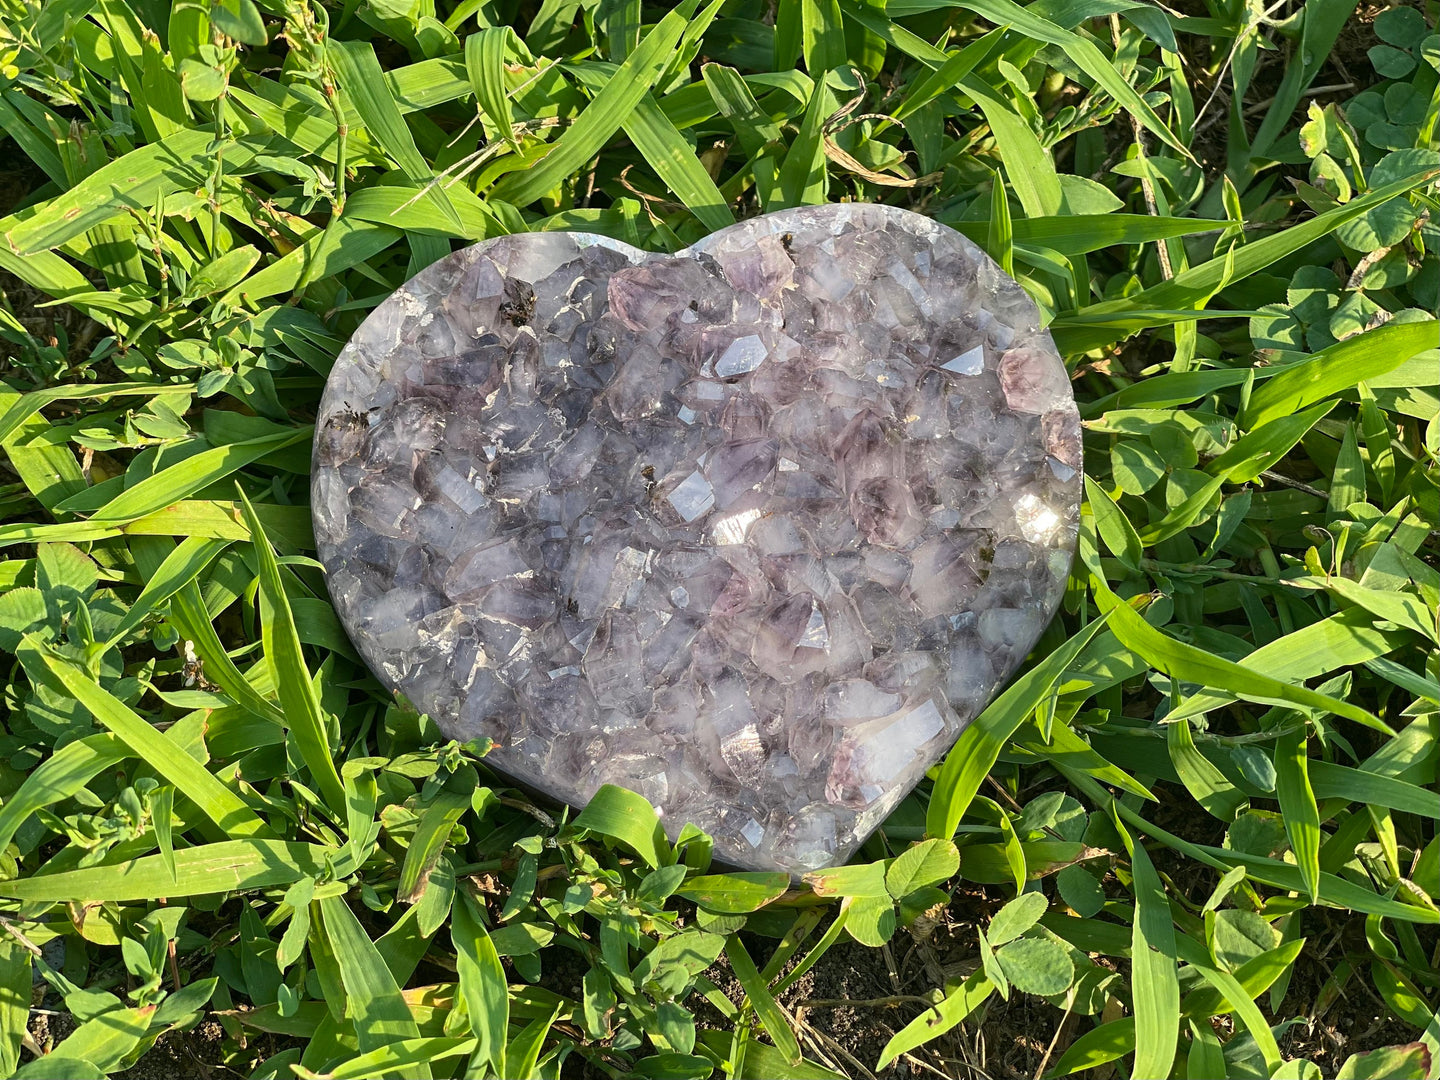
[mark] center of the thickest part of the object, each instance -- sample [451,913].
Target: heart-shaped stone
[754,529]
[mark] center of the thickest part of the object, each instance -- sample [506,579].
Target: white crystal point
[753,530]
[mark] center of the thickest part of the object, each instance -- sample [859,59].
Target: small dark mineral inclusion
[753,530]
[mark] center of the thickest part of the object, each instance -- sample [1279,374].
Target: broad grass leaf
[182,566]
[732,894]
[1297,804]
[224,272]
[432,834]
[185,478]
[1210,787]
[50,1067]
[373,999]
[1412,1061]
[105,1041]
[1154,977]
[1190,663]
[1255,976]
[959,1002]
[304,717]
[979,745]
[677,1067]
[622,815]
[1401,608]
[1337,368]
[526,1046]
[927,863]
[1207,1058]
[1246,1011]
[777,1025]
[1331,781]
[1031,171]
[605,114]
[947,76]
[28,405]
[802,177]
[1115,530]
[1264,446]
[15,989]
[231,815]
[864,879]
[485,64]
[1340,641]
[227,866]
[482,982]
[1108,1042]
[404,1057]
[521,938]
[822,36]
[360,76]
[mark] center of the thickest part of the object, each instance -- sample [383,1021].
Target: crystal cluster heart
[753,529]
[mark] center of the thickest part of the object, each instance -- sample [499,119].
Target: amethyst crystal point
[753,530]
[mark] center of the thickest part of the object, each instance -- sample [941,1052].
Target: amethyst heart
[754,529]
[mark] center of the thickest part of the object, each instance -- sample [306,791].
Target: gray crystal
[754,529]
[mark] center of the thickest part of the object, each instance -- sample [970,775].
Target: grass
[1198,837]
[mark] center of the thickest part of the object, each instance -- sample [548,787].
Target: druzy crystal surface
[753,530]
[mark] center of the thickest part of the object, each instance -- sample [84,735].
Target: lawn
[1197,837]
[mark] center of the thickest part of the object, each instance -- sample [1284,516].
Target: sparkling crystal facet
[753,530]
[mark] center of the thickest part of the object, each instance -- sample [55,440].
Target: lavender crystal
[753,530]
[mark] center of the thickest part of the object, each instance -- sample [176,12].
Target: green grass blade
[230,813]
[364,83]
[627,817]
[194,473]
[373,999]
[1297,804]
[182,566]
[959,1002]
[1188,663]
[980,744]
[482,983]
[485,64]
[1154,978]
[301,704]
[228,866]
[772,1018]
[605,114]
[63,774]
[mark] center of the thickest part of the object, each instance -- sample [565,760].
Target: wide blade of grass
[605,114]
[1154,978]
[1338,368]
[380,1014]
[227,866]
[767,1011]
[230,813]
[301,704]
[1297,804]
[980,744]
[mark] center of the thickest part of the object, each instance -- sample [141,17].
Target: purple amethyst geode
[753,529]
